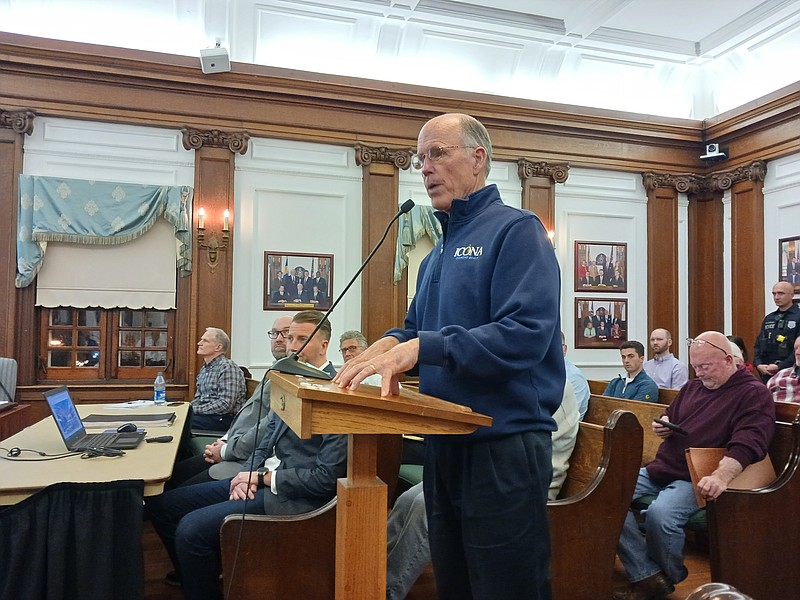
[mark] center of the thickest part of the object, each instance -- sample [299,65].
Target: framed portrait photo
[600,322]
[601,267]
[789,262]
[297,281]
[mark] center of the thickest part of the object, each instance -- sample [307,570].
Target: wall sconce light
[213,246]
[552,235]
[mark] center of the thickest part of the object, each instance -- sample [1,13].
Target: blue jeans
[661,546]
[188,520]
[407,548]
[486,503]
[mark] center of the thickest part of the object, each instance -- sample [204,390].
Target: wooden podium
[312,406]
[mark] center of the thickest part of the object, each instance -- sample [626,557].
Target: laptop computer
[74,433]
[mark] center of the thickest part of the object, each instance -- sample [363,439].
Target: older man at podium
[483,331]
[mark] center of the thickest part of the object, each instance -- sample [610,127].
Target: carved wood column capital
[692,183]
[558,172]
[194,139]
[399,157]
[723,180]
[688,183]
[20,121]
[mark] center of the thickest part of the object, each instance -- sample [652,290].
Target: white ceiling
[677,58]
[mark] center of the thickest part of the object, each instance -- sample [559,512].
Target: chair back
[8,379]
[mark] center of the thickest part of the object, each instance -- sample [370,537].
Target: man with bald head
[724,407]
[499,354]
[775,342]
[666,370]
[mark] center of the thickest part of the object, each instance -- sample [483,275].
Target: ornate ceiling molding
[558,172]
[20,121]
[194,139]
[366,155]
[692,183]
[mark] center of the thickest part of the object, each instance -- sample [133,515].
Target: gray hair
[475,134]
[221,338]
[354,334]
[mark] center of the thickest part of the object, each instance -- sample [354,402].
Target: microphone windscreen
[407,206]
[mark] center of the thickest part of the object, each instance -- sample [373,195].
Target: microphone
[291,364]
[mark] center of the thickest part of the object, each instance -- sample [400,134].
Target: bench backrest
[600,407]
[586,520]
[584,460]
[665,396]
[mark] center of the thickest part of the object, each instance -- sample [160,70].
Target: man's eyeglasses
[691,341]
[274,333]
[436,153]
[347,349]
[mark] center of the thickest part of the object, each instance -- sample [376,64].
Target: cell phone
[672,426]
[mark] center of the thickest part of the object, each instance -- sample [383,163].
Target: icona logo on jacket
[468,251]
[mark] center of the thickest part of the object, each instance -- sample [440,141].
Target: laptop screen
[64,412]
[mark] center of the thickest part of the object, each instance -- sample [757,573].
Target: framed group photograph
[601,266]
[297,281]
[600,323]
[789,262]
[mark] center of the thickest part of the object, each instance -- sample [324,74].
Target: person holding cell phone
[724,407]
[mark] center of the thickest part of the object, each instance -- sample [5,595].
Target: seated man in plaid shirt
[220,389]
[785,384]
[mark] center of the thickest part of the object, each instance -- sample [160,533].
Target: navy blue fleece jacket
[486,312]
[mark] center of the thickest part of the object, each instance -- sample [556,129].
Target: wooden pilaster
[383,304]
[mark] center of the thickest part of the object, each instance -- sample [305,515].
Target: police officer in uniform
[775,343]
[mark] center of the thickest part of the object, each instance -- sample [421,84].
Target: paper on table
[95,421]
[131,404]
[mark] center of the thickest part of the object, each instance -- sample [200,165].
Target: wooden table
[152,463]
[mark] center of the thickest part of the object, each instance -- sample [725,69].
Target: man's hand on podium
[387,357]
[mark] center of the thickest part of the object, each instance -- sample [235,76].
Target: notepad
[96,421]
[704,461]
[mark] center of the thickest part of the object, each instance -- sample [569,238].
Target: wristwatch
[261,472]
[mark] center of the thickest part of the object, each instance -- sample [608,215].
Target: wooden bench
[665,396]
[586,520]
[602,406]
[754,535]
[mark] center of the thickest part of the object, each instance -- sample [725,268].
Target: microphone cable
[14,455]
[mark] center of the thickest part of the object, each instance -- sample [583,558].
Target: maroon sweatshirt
[739,416]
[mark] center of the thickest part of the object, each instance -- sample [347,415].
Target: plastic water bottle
[159,390]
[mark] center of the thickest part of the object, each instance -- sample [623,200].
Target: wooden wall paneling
[11,159]
[662,262]
[706,275]
[538,188]
[539,197]
[383,304]
[212,283]
[17,313]
[747,259]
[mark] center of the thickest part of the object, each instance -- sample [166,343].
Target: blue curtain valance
[58,209]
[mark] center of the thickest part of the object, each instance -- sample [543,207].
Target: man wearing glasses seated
[351,344]
[724,407]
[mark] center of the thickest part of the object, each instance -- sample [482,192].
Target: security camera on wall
[215,60]
[714,152]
